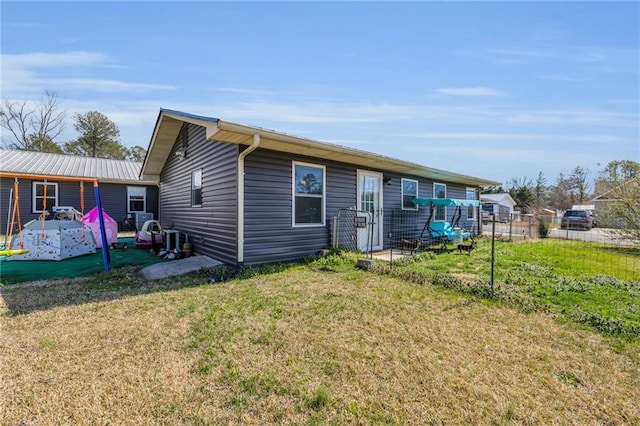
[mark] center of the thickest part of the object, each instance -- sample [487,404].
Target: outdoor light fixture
[387,180]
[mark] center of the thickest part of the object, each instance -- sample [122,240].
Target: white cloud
[54,60]
[519,137]
[30,73]
[470,91]
[100,85]
[570,117]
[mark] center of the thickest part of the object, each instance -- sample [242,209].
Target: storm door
[370,200]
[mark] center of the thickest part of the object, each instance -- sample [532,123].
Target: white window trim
[144,199]
[293,194]
[192,187]
[443,207]
[33,195]
[474,209]
[415,206]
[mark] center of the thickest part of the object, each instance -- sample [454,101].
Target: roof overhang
[170,122]
[67,178]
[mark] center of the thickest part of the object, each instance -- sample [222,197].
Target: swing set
[14,220]
[440,232]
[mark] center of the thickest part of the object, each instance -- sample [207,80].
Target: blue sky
[497,90]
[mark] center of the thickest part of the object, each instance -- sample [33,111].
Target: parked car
[577,219]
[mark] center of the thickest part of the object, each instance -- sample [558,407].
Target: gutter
[241,157]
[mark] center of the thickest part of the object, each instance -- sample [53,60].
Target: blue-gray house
[54,180]
[248,195]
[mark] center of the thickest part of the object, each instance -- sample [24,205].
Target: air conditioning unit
[141,218]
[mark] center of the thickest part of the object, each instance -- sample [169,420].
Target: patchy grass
[547,275]
[321,343]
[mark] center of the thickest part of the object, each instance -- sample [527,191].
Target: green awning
[445,202]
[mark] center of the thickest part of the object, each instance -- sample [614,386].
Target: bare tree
[560,193]
[33,127]
[579,183]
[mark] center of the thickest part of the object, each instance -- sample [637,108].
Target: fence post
[493,250]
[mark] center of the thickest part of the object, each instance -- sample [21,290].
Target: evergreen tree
[136,153]
[98,137]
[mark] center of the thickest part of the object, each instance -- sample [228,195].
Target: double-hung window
[440,191]
[42,191]
[409,192]
[308,194]
[136,199]
[196,188]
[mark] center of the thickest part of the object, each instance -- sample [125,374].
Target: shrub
[543,227]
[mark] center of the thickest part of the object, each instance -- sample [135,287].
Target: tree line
[37,126]
[577,187]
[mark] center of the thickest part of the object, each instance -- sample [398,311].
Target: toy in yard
[53,240]
[92,220]
[13,217]
[150,236]
[436,235]
[65,234]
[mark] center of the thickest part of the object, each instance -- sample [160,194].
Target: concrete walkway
[178,267]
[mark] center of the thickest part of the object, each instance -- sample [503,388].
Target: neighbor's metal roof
[170,122]
[39,163]
[497,198]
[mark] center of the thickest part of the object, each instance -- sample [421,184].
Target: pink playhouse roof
[92,216]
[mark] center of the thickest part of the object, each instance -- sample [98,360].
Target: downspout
[241,157]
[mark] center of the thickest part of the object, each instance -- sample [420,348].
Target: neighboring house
[122,193]
[247,195]
[590,207]
[500,205]
[609,193]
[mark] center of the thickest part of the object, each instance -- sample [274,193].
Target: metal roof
[72,166]
[497,198]
[169,123]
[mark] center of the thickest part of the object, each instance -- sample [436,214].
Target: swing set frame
[15,213]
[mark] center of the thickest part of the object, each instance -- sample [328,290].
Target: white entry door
[370,200]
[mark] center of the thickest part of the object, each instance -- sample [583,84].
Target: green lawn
[321,343]
[595,284]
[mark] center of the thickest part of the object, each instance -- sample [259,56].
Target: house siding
[212,227]
[113,197]
[269,233]
[408,224]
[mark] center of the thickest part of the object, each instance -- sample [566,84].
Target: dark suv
[577,219]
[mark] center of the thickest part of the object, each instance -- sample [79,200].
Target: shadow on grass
[123,282]
[628,251]
[24,298]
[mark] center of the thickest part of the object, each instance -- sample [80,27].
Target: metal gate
[352,230]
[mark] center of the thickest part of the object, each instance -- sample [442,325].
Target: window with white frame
[440,191]
[40,191]
[196,188]
[409,192]
[471,210]
[308,194]
[136,199]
